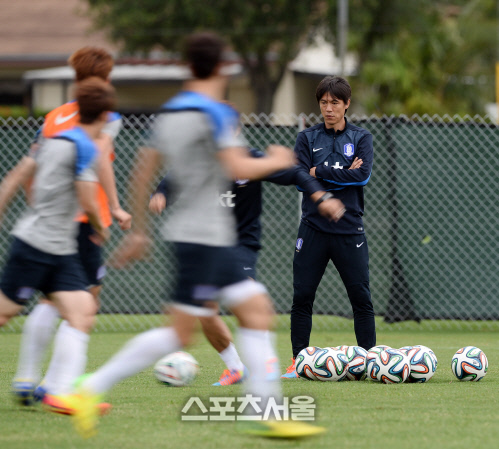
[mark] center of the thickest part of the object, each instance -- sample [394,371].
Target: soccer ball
[177,369]
[469,363]
[423,363]
[394,366]
[356,358]
[405,349]
[330,365]
[340,348]
[305,361]
[372,363]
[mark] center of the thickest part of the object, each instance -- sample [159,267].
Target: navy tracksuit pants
[350,256]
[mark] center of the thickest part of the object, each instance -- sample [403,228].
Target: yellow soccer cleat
[284,429]
[64,405]
[86,412]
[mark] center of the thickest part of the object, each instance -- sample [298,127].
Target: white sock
[272,361]
[139,353]
[68,360]
[38,331]
[256,349]
[231,358]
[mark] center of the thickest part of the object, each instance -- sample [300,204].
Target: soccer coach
[340,156]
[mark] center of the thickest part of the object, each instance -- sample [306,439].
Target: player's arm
[240,165]
[282,177]
[328,206]
[108,182]
[86,192]
[357,163]
[304,181]
[18,176]
[135,245]
[355,177]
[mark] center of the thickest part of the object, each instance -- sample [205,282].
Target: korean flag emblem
[348,149]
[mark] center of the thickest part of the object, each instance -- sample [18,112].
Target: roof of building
[127,73]
[34,30]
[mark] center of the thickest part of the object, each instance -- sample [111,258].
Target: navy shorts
[203,271]
[29,269]
[248,257]
[90,255]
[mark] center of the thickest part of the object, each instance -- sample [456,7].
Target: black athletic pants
[350,256]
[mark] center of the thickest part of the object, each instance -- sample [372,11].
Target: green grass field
[443,413]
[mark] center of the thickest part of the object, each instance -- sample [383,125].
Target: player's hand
[356,163]
[123,218]
[333,209]
[100,236]
[133,247]
[282,156]
[312,172]
[157,203]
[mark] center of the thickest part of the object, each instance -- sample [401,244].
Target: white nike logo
[360,244]
[60,119]
[316,149]
[246,268]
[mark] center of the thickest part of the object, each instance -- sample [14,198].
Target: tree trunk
[264,83]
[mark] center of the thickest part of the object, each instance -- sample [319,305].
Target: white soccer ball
[305,361]
[356,358]
[469,363]
[176,369]
[423,363]
[330,365]
[372,363]
[341,348]
[394,366]
[405,349]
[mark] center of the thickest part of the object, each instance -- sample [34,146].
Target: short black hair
[336,86]
[203,52]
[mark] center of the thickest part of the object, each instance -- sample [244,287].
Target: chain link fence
[431,219]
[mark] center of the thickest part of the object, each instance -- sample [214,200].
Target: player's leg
[142,351]
[24,273]
[250,303]
[8,309]
[90,256]
[22,388]
[92,261]
[20,278]
[253,308]
[193,298]
[248,257]
[66,288]
[309,263]
[220,337]
[70,345]
[350,256]
[38,332]
[218,333]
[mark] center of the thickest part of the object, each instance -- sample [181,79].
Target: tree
[266,34]
[429,56]
[425,56]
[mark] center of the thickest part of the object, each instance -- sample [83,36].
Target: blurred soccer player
[195,134]
[44,255]
[245,199]
[40,325]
